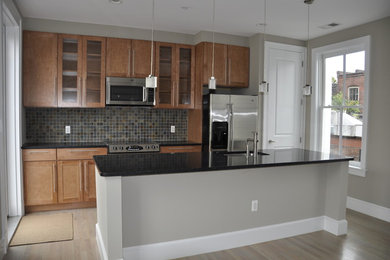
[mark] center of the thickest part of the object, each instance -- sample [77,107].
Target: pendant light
[307,89]
[212,80]
[151,81]
[263,86]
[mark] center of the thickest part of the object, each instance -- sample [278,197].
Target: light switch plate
[173,129]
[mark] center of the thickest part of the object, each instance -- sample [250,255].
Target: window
[353,93]
[340,117]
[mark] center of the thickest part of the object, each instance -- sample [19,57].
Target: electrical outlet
[173,129]
[255,205]
[67,129]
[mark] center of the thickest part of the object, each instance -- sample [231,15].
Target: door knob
[271,141]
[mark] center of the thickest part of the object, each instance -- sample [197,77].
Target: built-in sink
[242,153]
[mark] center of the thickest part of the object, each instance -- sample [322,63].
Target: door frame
[286,47]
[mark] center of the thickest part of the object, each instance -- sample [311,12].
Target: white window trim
[318,54]
[349,93]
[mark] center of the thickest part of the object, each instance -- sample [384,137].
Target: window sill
[357,171]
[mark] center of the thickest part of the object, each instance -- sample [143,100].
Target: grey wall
[375,187]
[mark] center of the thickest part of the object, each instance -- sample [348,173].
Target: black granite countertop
[157,163]
[98,144]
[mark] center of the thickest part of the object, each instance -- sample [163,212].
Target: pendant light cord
[308,38]
[152,47]
[212,64]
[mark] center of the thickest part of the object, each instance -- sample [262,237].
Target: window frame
[349,93]
[317,69]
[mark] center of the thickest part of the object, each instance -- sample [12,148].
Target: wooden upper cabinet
[118,57]
[81,71]
[69,70]
[39,69]
[238,66]
[128,58]
[176,72]
[231,64]
[140,56]
[220,63]
[94,72]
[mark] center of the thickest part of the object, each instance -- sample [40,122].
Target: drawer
[30,155]
[79,153]
[180,149]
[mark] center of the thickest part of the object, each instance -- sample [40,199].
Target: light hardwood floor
[367,239]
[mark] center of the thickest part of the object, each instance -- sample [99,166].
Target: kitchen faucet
[255,141]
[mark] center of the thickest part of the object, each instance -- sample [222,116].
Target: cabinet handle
[55,90]
[180,148]
[132,65]
[229,70]
[85,176]
[128,66]
[81,177]
[79,151]
[54,178]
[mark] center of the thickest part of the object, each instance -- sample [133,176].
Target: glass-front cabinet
[175,72]
[81,71]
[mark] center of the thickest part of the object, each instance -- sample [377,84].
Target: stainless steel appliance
[228,121]
[133,147]
[128,91]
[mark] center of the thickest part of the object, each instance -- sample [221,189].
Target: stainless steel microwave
[128,91]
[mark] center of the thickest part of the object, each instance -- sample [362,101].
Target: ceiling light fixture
[263,85]
[212,80]
[151,81]
[115,1]
[307,89]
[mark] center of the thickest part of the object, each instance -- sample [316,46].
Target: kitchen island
[162,206]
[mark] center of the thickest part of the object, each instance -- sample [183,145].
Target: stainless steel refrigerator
[228,121]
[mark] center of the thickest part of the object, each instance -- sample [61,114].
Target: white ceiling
[238,17]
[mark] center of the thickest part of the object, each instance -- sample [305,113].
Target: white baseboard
[336,227]
[368,208]
[212,243]
[100,244]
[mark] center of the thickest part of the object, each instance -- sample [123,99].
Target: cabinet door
[166,73]
[89,180]
[40,183]
[94,71]
[69,70]
[140,58]
[39,69]
[220,63]
[70,183]
[238,66]
[118,57]
[185,76]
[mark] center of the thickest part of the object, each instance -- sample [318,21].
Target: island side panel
[158,208]
[109,216]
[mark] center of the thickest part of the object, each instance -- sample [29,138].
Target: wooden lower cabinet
[70,174]
[59,178]
[40,183]
[181,149]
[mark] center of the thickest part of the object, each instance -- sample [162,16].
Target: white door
[283,104]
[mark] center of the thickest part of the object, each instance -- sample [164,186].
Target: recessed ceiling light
[328,26]
[115,1]
[260,24]
[185,7]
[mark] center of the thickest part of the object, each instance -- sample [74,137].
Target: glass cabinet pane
[70,70]
[184,76]
[93,71]
[165,75]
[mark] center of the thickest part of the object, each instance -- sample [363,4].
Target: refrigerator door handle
[230,126]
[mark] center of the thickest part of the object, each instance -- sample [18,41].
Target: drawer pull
[38,151]
[180,148]
[81,151]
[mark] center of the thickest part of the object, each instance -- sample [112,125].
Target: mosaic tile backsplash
[47,125]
